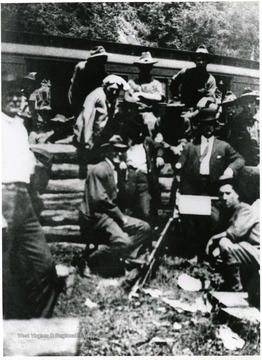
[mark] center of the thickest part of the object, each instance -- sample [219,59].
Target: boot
[232,279]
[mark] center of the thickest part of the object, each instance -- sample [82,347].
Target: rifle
[148,267]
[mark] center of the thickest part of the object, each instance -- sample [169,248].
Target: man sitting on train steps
[118,240]
[237,245]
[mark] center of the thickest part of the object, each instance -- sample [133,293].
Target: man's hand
[228,172]
[159,162]
[177,150]
[122,165]
[124,220]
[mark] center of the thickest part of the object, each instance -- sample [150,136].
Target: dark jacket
[101,193]
[222,157]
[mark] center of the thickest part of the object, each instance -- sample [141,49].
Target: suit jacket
[101,193]
[222,157]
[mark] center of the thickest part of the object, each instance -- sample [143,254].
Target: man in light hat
[241,128]
[96,122]
[87,76]
[200,165]
[237,245]
[117,239]
[146,93]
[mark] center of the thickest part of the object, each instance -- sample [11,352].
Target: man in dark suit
[201,164]
[118,239]
[205,159]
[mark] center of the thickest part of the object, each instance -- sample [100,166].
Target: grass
[144,326]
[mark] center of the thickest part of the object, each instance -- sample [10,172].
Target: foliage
[225,27]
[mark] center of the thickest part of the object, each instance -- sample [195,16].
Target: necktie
[205,152]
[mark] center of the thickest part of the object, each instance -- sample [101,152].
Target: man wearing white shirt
[30,285]
[201,164]
[204,160]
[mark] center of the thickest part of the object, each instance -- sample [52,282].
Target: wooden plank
[65,185]
[64,171]
[70,171]
[230,299]
[41,337]
[63,233]
[59,217]
[250,314]
[62,153]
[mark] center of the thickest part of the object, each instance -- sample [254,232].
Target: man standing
[241,128]
[201,164]
[238,245]
[30,284]
[205,159]
[117,238]
[87,76]
[95,123]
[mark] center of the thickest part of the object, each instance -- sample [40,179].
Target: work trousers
[30,285]
[242,253]
[138,198]
[113,243]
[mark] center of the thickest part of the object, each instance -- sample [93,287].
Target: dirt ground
[111,325]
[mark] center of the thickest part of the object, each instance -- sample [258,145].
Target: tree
[227,28]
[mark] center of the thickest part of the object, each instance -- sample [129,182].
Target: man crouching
[238,246]
[118,240]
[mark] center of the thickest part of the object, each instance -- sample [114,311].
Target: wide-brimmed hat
[229,98]
[30,76]
[225,180]
[207,115]
[115,81]
[145,59]
[114,143]
[60,118]
[248,94]
[203,52]
[98,51]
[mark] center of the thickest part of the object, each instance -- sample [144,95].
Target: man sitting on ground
[238,245]
[118,239]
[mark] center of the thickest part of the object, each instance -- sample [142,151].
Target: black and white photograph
[130,178]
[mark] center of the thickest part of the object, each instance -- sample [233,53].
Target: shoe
[130,279]
[134,264]
[81,265]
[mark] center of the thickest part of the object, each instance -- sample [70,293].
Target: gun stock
[148,267]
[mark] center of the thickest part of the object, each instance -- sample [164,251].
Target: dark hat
[229,98]
[207,115]
[203,52]
[10,85]
[225,180]
[114,143]
[145,59]
[247,94]
[98,51]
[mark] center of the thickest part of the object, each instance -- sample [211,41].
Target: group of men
[122,145]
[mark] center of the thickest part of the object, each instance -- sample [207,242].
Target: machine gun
[148,267]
